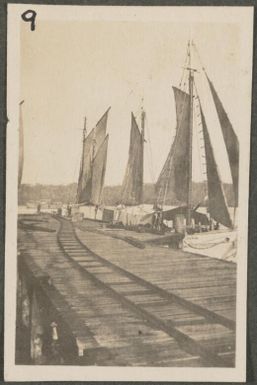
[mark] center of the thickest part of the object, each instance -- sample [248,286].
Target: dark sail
[21,147]
[217,204]
[91,145]
[98,175]
[173,179]
[132,187]
[230,139]
[163,186]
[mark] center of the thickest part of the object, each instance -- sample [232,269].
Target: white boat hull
[221,244]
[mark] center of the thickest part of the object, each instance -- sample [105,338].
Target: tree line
[111,194]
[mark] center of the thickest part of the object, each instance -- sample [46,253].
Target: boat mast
[85,129]
[84,134]
[93,145]
[143,141]
[191,96]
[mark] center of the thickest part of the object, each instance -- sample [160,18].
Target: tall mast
[93,145]
[191,96]
[143,141]
[83,140]
[84,134]
[85,129]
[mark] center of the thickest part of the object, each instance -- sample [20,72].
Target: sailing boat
[92,168]
[129,209]
[176,176]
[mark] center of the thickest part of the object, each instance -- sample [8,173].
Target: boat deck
[138,307]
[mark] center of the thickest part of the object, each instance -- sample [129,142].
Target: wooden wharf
[134,307]
[137,239]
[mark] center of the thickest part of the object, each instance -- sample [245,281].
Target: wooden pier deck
[152,306]
[203,280]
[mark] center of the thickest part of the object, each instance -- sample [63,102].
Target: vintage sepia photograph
[128,145]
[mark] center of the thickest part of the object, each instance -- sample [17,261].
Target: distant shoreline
[111,194]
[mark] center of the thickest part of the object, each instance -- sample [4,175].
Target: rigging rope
[75,172]
[204,172]
[186,63]
[150,154]
[198,56]
[201,154]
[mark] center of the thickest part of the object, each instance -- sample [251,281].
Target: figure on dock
[39,208]
[68,210]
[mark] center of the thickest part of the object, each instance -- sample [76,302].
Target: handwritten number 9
[30,16]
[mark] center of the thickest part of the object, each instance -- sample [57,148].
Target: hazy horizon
[106,185]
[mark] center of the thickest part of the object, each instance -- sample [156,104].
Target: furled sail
[230,138]
[217,204]
[132,187]
[91,145]
[173,179]
[21,146]
[98,174]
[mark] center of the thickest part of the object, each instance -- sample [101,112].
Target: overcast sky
[76,68]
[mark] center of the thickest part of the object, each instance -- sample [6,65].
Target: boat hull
[221,244]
